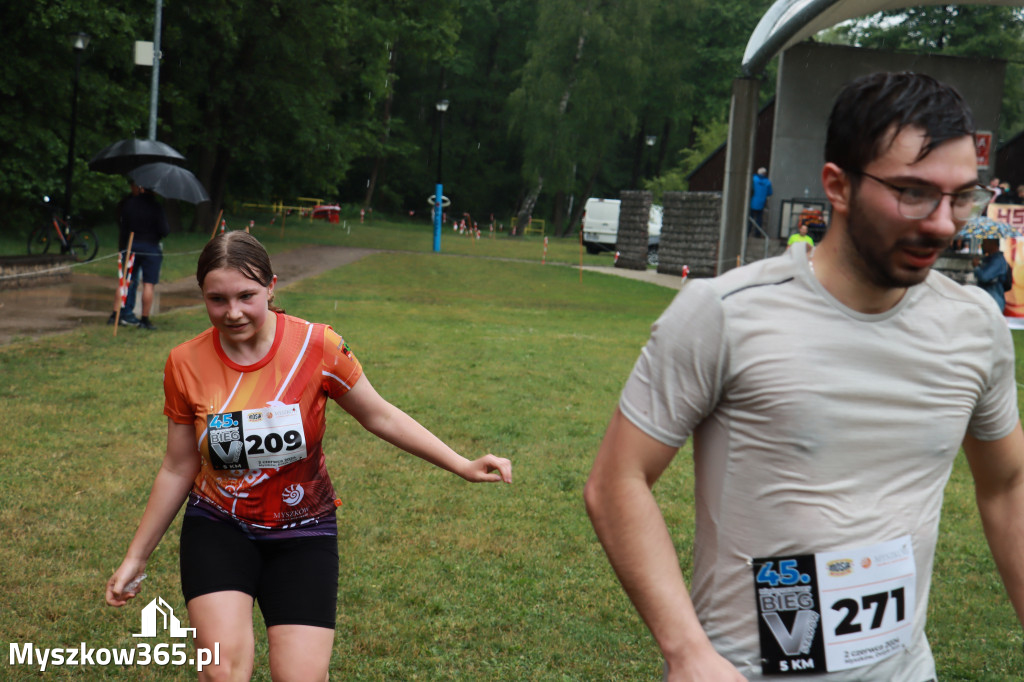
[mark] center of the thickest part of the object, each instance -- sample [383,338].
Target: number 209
[273,442]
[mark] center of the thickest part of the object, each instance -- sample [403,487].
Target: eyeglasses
[917,203]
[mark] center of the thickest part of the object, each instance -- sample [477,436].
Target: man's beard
[875,259]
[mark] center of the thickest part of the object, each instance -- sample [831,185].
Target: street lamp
[79,41]
[651,140]
[442,106]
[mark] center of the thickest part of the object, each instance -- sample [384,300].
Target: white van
[601,227]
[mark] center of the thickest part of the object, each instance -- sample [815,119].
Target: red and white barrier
[124,279]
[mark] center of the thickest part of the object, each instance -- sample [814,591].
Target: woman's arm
[389,423]
[177,472]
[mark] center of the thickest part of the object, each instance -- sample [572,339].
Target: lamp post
[79,41]
[442,106]
[154,87]
[651,140]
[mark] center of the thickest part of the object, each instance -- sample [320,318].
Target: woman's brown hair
[238,251]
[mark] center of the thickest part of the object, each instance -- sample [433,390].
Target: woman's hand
[129,570]
[488,469]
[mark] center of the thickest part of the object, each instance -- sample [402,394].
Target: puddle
[83,299]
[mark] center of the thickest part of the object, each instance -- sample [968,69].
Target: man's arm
[998,470]
[988,271]
[632,530]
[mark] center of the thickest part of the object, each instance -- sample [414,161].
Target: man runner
[827,398]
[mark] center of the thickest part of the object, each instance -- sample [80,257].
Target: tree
[962,30]
[269,98]
[580,90]
[35,102]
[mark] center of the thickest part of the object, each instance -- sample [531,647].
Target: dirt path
[36,312]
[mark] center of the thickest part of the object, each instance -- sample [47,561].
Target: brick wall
[632,238]
[689,233]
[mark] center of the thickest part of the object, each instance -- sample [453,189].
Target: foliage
[296,120]
[551,100]
[985,31]
[579,84]
[708,139]
[481,62]
[698,48]
[36,86]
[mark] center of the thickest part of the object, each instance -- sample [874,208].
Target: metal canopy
[787,22]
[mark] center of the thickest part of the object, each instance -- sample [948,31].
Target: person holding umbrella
[126,306]
[993,273]
[143,215]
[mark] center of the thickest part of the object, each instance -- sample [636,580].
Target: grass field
[395,235]
[440,580]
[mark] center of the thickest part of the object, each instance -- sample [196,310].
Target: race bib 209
[264,438]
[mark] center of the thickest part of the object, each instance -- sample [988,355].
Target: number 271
[877,602]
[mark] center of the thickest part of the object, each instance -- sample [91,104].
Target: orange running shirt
[259,428]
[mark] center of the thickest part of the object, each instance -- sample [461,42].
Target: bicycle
[80,242]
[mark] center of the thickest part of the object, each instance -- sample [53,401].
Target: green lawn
[440,580]
[181,248]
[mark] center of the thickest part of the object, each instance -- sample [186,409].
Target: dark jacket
[989,275]
[143,215]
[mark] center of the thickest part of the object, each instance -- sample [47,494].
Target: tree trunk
[526,210]
[380,162]
[558,214]
[638,156]
[577,214]
[666,130]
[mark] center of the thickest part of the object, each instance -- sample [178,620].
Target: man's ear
[838,188]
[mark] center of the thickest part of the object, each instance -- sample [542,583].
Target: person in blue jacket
[759,193]
[992,271]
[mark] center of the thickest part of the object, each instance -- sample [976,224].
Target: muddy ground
[35,312]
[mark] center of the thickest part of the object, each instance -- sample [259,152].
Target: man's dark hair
[870,106]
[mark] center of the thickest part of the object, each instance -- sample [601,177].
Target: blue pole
[438,210]
[439,189]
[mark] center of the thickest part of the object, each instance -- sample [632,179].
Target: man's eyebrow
[920,182]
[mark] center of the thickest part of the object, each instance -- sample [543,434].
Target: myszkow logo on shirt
[157,616]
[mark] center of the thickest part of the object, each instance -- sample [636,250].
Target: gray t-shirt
[818,429]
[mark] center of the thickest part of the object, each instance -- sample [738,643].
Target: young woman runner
[245,402]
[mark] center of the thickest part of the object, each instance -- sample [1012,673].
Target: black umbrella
[125,155]
[170,182]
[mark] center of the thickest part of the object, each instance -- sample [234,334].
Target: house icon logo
[159,613]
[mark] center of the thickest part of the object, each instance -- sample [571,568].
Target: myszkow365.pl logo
[157,616]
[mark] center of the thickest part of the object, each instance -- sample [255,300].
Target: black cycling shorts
[294,581]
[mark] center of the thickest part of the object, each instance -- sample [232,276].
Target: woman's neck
[254,349]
